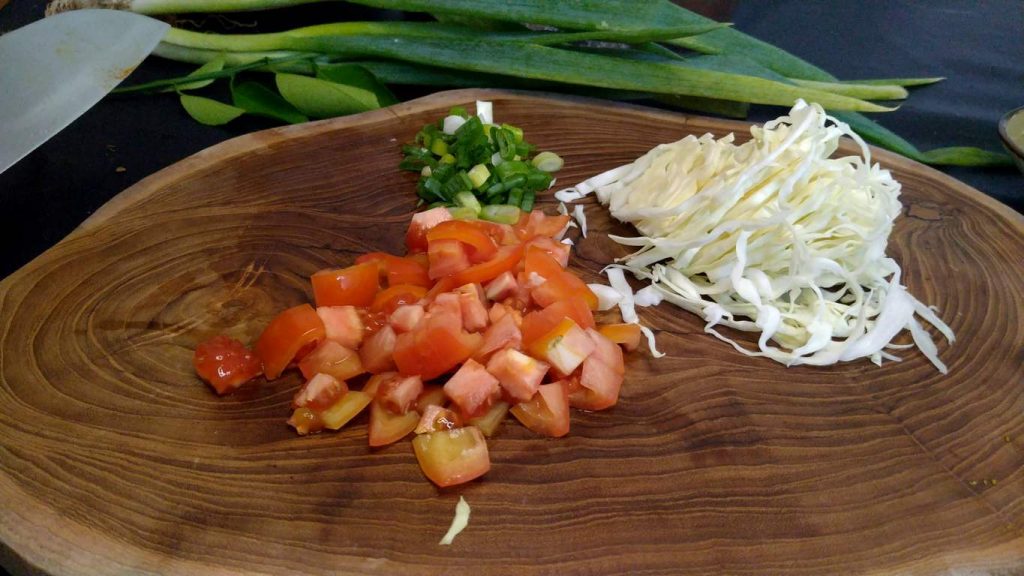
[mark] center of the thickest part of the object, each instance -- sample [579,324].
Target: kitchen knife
[55,69]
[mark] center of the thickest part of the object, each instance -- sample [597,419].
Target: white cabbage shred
[771,236]
[459,522]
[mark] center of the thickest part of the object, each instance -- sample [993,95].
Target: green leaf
[965,156]
[319,98]
[209,111]
[257,99]
[215,65]
[358,77]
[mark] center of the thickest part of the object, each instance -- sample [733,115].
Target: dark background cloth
[977,45]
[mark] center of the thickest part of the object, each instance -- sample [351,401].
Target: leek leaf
[257,99]
[209,111]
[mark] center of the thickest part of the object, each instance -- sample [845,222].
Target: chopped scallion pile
[484,169]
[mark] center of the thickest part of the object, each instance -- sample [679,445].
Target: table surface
[975,45]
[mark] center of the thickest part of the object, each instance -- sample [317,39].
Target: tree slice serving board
[116,459]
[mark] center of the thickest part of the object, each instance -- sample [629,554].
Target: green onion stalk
[607,48]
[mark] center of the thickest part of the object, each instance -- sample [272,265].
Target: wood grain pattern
[117,460]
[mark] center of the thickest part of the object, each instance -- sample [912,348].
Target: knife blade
[55,69]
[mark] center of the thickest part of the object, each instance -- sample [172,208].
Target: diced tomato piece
[407,317]
[559,252]
[538,323]
[450,457]
[416,237]
[345,409]
[373,384]
[502,334]
[225,363]
[445,312]
[332,359]
[607,351]
[352,286]
[386,427]
[599,385]
[432,395]
[474,313]
[399,394]
[319,392]
[438,418]
[431,351]
[501,287]
[472,388]
[342,324]
[447,257]
[398,270]
[468,232]
[377,352]
[559,284]
[488,423]
[502,234]
[372,321]
[627,335]
[519,375]
[506,259]
[536,223]
[547,412]
[286,335]
[389,299]
[305,421]
[565,347]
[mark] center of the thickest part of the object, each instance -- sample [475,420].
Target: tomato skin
[387,427]
[547,413]
[430,351]
[225,363]
[352,286]
[286,335]
[416,236]
[398,270]
[450,457]
[389,299]
[475,237]
[626,335]
[504,260]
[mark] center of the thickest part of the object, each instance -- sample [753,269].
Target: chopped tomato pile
[476,321]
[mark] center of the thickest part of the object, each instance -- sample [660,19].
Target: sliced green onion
[503,213]
[528,198]
[468,200]
[515,196]
[478,175]
[548,161]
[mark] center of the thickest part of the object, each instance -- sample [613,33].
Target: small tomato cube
[319,392]
[450,457]
[438,418]
[345,409]
[502,334]
[474,313]
[607,351]
[416,237]
[502,287]
[377,352]
[599,386]
[565,347]
[517,373]
[342,324]
[225,363]
[386,427]
[547,412]
[333,359]
[472,388]
[447,257]
[398,394]
[626,335]
[355,285]
[405,318]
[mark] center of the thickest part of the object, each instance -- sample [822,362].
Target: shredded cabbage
[771,236]
[459,522]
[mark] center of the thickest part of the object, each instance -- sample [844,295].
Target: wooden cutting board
[116,459]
